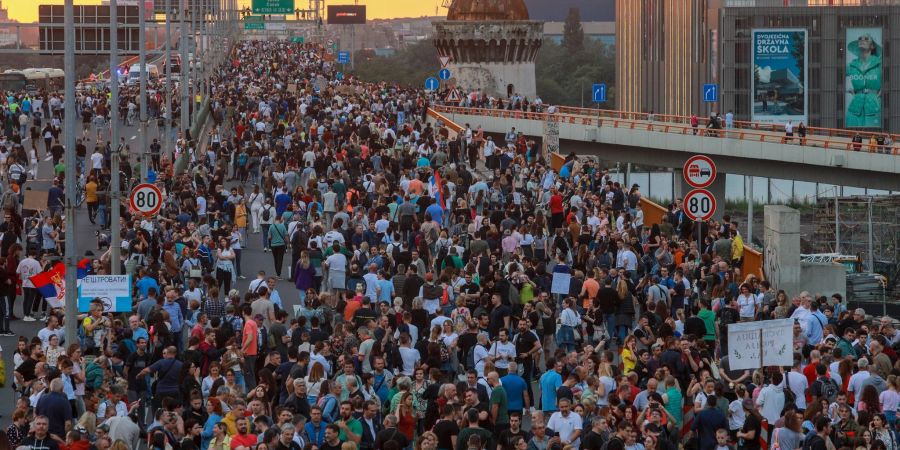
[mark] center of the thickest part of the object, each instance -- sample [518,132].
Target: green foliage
[565,78]
[408,67]
[573,33]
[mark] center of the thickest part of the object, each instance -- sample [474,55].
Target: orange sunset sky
[27,10]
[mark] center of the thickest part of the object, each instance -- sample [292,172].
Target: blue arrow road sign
[710,93]
[343,57]
[598,92]
[432,84]
[444,74]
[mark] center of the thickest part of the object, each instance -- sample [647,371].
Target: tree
[408,67]
[573,33]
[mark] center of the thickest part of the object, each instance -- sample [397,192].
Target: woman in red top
[406,414]
[556,210]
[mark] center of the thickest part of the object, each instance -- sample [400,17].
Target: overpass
[825,155]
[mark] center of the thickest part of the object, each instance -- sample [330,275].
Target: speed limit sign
[699,204]
[146,199]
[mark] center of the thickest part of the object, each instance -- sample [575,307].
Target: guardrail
[653,212]
[738,124]
[621,120]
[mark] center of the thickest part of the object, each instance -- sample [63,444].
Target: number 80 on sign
[699,204]
[146,199]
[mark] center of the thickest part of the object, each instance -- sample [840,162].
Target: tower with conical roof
[492,45]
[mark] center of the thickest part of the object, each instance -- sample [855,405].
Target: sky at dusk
[27,10]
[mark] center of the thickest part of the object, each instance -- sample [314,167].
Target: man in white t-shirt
[566,423]
[28,268]
[502,351]
[410,356]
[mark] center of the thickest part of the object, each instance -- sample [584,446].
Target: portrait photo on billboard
[346,14]
[863,78]
[778,92]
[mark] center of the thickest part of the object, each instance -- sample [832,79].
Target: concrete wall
[821,278]
[745,157]
[495,77]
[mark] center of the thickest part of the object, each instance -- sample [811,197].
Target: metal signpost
[146,199]
[273,6]
[598,93]
[699,205]
[710,93]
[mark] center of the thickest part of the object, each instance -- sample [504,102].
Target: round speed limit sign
[146,199]
[699,204]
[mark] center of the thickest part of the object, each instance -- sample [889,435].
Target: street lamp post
[167,129]
[185,70]
[142,56]
[71,300]
[115,195]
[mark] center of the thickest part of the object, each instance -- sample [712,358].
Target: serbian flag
[437,188]
[84,268]
[52,283]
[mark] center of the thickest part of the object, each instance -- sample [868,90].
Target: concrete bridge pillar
[782,248]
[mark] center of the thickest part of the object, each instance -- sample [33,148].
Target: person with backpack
[824,387]
[266,219]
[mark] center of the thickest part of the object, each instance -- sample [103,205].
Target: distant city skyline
[27,11]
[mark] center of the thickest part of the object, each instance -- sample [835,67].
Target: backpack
[10,200]
[829,388]
[267,213]
[810,441]
[445,352]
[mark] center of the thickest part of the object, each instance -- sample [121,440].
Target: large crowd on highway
[429,288]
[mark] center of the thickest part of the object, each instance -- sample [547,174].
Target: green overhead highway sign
[256,19]
[254,26]
[273,6]
[297,39]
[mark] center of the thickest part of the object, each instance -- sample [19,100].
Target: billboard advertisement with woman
[863,78]
[779,76]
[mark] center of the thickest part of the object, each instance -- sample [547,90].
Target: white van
[134,74]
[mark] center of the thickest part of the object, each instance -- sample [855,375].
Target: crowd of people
[429,288]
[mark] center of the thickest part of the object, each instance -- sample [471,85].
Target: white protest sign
[774,337]
[560,283]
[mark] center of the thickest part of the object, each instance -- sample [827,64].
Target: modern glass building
[828,62]
[665,54]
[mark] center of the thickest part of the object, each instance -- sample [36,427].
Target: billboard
[778,91]
[863,78]
[346,14]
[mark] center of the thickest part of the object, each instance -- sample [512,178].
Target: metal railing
[745,131]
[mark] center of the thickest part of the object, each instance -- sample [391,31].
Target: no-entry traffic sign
[699,171]
[699,204]
[146,199]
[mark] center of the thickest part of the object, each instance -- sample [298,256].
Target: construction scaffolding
[859,220]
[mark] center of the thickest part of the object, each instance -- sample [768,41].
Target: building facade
[491,46]
[846,86]
[665,53]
